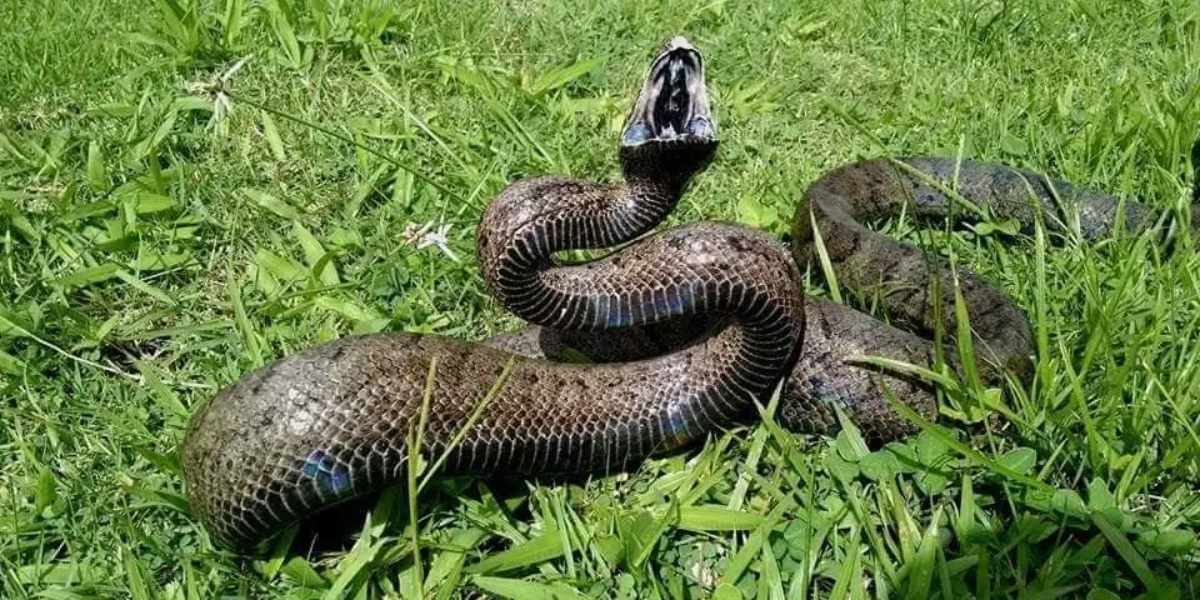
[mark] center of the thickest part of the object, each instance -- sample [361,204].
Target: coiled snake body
[334,421]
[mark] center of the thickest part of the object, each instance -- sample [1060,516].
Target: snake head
[671,127]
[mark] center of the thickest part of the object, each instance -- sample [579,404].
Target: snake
[687,331]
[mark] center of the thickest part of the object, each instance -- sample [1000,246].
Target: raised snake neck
[333,422]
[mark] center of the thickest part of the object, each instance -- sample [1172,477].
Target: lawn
[161,237]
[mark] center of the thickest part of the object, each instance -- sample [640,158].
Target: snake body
[687,329]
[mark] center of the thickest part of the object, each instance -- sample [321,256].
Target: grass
[152,254]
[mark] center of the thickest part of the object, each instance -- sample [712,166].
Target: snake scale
[686,329]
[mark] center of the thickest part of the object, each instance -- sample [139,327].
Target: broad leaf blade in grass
[770,584]
[141,584]
[285,34]
[751,211]
[192,103]
[145,288]
[11,365]
[278,266]
[47,491]
[87,211]
[147,203]
[1133,559]
[517,589]
[727,591]
[122,110]
[159,499]
[640,530]
[547,546]
[446,568]
[152,260]
[364,319]
[1019,460]
[87,276]
[741,561]
[921,568]
[249,335]
[354,569]
[315,255]
[1172,542]
[273,140]
[271,203]
[148,146]
[716,518]
[11,148]
[827,272]
[234,18]
[556,78]
[95,167]
[302,572]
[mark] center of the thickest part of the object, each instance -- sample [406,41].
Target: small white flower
[215,87]
[425,236]
[237,66]
[221,107]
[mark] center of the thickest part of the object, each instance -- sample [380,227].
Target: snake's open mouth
[673,103]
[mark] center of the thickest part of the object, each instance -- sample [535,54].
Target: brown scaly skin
[903,279]
[830,369]
[330,423]
[687,329]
